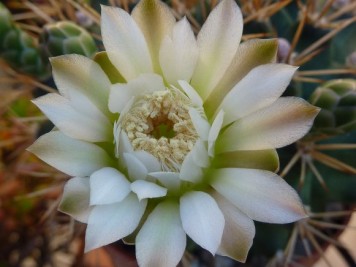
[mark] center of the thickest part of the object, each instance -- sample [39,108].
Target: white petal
[124,43]
[122,146]
[77,76]
[201,125]
[200,154]
[155,21]
[214,132]
[258,89]
[161,241]
[151,162]
[92,127]
[202,220]
[109,223]
[239,231]
[71,156]
[190,171]
[108,186]
[117,132]
[170,180]
[261,195]
[125,145]
[278,125]
[121,94]
[136,169]
[178,55]
[75,199]
[195,160]
[145,189]
[125,110]
[191,93]
[217,41]
[249,54]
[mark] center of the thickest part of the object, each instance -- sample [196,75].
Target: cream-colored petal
[261,195]
[155,21]
[258,89]
[249,55]
[239,231]
[75,199]
[161,241]
[122,93]
[202,219]
[91,126]
[254,159]
[71,156]
[217,41]
[178,55]
[109,223]
[278,125]
[76,75]
[124,42]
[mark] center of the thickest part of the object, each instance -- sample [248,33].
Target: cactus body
[19,49]
[65,37]
[337,99]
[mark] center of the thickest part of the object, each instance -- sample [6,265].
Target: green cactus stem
[65,37]
[337,98]
[19,49]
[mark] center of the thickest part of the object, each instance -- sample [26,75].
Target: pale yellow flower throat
[159,123]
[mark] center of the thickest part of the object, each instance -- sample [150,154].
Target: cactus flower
[168,135]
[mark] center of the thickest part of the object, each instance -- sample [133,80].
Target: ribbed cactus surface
[337,98]
[19,49]
[65,37]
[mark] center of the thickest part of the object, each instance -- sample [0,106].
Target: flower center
[159,123]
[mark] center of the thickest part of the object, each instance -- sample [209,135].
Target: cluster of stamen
[160,124]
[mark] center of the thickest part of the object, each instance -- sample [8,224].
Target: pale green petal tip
[113,74]
[68,204]
[269,49]
[75,199]
[239,255]
[35,148]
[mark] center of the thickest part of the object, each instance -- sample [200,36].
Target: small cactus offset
[19,49]
[337,98]
[66,37]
